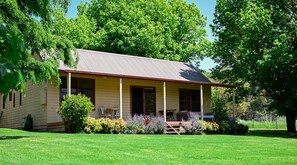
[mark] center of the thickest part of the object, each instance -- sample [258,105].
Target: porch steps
[174,127]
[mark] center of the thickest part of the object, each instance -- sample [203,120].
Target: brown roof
[111,64]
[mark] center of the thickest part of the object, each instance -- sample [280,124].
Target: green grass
[265,125]
[279,124]
[259,147]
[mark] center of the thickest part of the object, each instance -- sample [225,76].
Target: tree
[28,48]
[256,43]
[162,29]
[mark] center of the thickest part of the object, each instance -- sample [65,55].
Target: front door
[143,100]
[137,101]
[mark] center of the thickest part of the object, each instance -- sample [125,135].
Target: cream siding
[106,94]
[53,102]
[13,117]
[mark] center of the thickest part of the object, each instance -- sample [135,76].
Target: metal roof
[111,64]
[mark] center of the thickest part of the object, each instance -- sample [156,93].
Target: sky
[206,8]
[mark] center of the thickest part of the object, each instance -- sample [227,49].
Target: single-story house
[136,85]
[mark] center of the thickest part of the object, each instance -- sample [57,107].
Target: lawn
[280,123]
[259,147]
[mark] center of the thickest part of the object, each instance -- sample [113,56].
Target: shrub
[155,125]
[139,124]
[135,125]
[28,123]
[195,127]
[118,126]
[111,125]
[74,112]
[233,127]
[104,125]
[238,129]
[219,108]
[92,125]
[211,127]
[242,129]
[224,127]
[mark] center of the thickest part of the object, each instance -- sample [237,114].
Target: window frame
[190,92]
[21,98]
[10,96]
[13,100]
[4,102]
[75,79]
[144,98]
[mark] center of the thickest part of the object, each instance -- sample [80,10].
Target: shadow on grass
[272,133]
[12,137]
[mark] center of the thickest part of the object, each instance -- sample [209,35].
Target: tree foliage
[162,29]
[28,48]
[256,43]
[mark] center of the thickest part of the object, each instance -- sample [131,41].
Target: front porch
[116,97]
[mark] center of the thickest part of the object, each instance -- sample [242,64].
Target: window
[13,101]
[79,85]
[150,101]
[10,96]
[3,103]
[143,100]
[189,100]
[21,97]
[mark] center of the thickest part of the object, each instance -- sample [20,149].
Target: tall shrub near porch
[74,112]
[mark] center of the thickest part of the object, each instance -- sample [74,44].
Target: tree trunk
[291,121]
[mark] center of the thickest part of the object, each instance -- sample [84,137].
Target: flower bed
[139,124]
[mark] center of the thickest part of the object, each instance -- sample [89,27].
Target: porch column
[233,102]
[164,101]
[121,98]
[69,84]
[201,101]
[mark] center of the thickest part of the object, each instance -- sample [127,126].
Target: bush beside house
[104,125]
[75,111]
[226,124]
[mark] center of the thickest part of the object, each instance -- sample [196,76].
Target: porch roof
[126,66]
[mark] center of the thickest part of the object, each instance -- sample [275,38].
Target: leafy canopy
[162,29]
[256,43]
[28,48]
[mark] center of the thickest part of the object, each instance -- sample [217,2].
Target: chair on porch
[102,112]
[116,112]
[183,115]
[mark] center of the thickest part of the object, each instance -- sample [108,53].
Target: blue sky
[206,7]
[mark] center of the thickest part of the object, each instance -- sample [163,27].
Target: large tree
[165,29]
[28,48]
[256,42]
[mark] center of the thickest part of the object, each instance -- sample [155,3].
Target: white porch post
[233,102]
[121,98]
[164,101]
[201,102]
[69,84]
